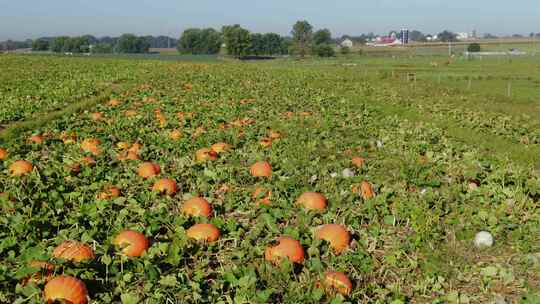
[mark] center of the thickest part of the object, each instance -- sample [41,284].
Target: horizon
[23,20]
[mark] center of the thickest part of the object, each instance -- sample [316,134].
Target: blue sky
[20,19]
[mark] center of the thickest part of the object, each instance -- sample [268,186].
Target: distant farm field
[410,157]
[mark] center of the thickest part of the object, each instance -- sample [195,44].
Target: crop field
[316,181]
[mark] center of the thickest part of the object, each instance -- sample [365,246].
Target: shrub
[324,50]
[474,48]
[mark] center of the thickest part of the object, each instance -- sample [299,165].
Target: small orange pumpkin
[338,281]
[73,251]
[266,142]
[262,196]
[203,232]
[358,162]
[165,185]
[286,247]
[274,134]
[36,139]
[114,102]
[133,243]
[3,154]
[261,169]
[66,289]
[20,167]
[108,193]
[175,134]
[91,145]
[44,273]
[96,116]
[220,147]
[367,190]
[197,206]
[205,154]
[312,201]
[337,235]
[148,169]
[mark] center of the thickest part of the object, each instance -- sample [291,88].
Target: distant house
[385,41]
[347,43]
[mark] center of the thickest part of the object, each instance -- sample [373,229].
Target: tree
[447,36]
[324,50]
[40,45]
[490,36]
[322,37]
[273,44]
[129,43]
[417,36]
[211,41]
[102,48]
[237,40]
[345,50]
[474,48]
[302,34]
[58,44]
[258,46]
[196,41]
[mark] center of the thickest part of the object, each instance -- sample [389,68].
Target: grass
[425,144]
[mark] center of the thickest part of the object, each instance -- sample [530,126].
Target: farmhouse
[347,43]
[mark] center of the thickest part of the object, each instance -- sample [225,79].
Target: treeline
[127,43]
[239,42]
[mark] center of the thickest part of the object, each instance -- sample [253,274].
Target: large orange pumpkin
[338,281]
[197,206]
[261,169]
[73,251]
[133,243]
[65,289]
[36,139]
[312,201]
[286,247]
[358,162]
[165,185]
[203,232]
[20,167]
[367,190]
[337,235]
[148,169]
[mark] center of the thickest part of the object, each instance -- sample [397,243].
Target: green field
[448,153]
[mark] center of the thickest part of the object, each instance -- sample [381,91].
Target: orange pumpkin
[265,142]
[337,235]
[262,196]
[20,167]
[286,247]
[73,251]
[175,134]
[3,154]
[358,162]
[89,161]
[114,102]
[91,145]
[96,116]
[165,185]
[203,232]
[197,206]
[148,169]
[220,147]
[65,289]
[44,272]
[274,135]
[261,169]
[312,201]
[111,192]
[367,190]
[205,154]
[338,281]
[36,139]
[133,243]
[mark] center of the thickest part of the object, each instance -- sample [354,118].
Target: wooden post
[509,89]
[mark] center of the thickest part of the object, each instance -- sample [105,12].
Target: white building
[347,43]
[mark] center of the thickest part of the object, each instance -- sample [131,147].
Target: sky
[23,19]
